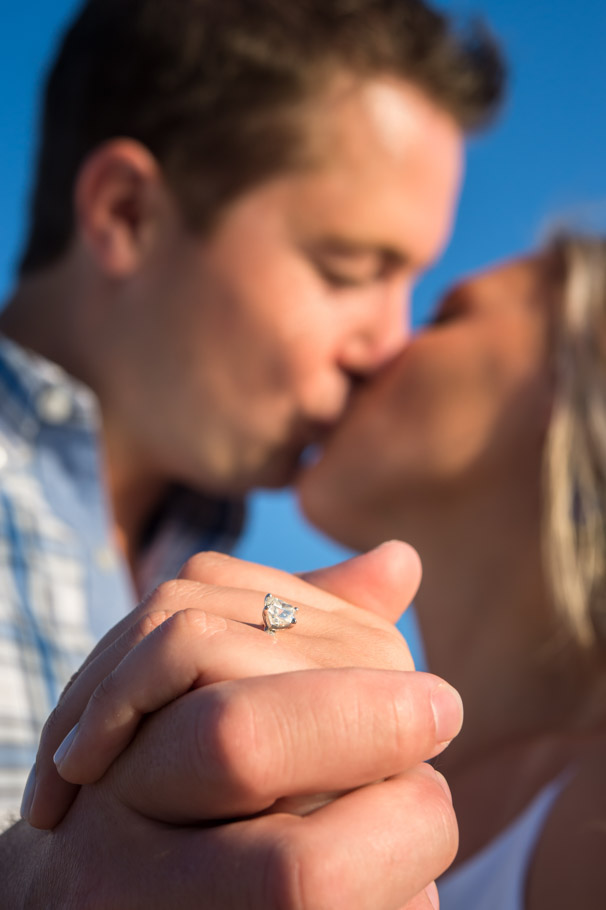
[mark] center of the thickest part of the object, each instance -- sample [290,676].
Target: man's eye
[338,279]
[344,281]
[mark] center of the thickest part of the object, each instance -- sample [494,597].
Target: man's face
[252,338]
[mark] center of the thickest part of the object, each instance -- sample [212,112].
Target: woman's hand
[204,628]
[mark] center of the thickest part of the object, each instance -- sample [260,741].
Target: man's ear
[117,199]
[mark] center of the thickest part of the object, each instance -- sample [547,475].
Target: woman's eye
[454,306]
[445,314]
[440,317]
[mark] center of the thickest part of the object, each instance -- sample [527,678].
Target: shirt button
[54,404]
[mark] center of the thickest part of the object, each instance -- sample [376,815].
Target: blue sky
[543,162]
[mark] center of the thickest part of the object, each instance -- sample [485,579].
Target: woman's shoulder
[569,864]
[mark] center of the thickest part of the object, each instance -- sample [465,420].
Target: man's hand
[372,849]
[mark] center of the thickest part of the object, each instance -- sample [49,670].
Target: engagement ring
[277,614]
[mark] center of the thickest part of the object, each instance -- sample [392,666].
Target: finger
[373,849]
[409,823]
[175,657]
[383,581]
[167,663]
[52,795]
[219,571]
[394,561]
[234,748]
[122,696]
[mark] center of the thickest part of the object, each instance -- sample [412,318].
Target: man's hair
[215,89]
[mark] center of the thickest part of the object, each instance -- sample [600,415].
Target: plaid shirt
[63,582]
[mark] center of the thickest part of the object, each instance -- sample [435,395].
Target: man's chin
[278,469]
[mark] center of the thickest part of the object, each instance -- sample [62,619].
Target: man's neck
[43,315]
[46,314]
[134,493]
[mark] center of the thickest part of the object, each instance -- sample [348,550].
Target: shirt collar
[36,393]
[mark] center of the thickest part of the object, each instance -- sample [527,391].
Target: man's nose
[383,332]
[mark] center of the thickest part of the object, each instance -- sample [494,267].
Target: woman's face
[462,412]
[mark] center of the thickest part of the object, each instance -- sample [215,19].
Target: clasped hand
[296,759]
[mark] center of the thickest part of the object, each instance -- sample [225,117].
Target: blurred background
[542,163]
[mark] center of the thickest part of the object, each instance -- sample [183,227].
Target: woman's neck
[489,629]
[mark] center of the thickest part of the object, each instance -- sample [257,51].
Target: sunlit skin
[444,450]
[305,282]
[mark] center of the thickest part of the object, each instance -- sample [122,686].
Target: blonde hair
[575,452]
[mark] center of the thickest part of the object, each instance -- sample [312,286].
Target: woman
[484,446]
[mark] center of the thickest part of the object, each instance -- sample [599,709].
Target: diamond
[277,614]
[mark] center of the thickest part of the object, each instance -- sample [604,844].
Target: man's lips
[320,432]
[312,434]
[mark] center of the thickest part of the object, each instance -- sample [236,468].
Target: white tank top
[495,877]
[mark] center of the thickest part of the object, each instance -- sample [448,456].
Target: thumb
[383,581]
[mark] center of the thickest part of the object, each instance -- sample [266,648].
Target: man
[232,201]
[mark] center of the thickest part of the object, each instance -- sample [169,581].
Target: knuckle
[149,623]
[175,595]
[166,593]
[233,744]
[197,623]
[192,623]
[54,729]
[144,626]
[105,691]
[305,877]
[202,566]
[70,683]
[390,652]
[158,600]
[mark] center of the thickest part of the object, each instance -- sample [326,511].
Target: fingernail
[28,794]
[430,772]
[447,711]
[61,753]
[432,893]
[444,784]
